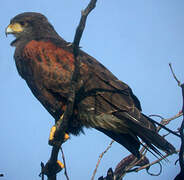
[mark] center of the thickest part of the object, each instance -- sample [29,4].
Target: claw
[66,137]
[53,130]
[60,164]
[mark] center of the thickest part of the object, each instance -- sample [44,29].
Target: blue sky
[135,40]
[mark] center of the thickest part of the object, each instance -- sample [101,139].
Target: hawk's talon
[60,164]
[52,140]
[66,137]
[52,132]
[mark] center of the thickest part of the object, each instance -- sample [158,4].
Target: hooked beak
[13,29]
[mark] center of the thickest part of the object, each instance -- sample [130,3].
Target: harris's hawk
[46,62]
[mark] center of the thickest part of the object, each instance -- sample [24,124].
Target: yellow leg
[53,130]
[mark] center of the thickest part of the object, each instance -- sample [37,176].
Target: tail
[152,137]
[144,129]
[131,143]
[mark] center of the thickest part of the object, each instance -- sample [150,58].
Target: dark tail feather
[129,142]
[150,136]
[159,141]
[146,130]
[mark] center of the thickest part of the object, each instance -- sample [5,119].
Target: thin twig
[158,174]
[162,126]
[147,169]
[179,83]
[154,162]
[63,157]
[99,159]
[82,25]
[174,117]
[166,121]
[156,115]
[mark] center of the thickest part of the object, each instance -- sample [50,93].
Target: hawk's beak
[13,29]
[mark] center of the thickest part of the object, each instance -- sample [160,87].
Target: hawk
[46,62]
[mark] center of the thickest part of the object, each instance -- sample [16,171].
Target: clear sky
[134,39]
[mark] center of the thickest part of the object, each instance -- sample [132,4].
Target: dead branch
[166,121]
[162,126]
[63,157]
[154,162]
[181,130]
[71,97]
[100,158]
[179,83]
[181,153]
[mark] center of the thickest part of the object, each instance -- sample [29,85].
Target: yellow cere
[14,28]
[60,164]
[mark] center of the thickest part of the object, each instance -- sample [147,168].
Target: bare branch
[179,83]
[162,126]
[154,162]
[71,98]
[63,157]
[166,121]
[100,157]
[152,174]
[81,25]
[181,130]
[181,153]
[62,127]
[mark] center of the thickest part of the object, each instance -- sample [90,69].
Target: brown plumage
[45,61]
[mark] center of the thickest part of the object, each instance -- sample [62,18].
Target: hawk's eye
[22,23]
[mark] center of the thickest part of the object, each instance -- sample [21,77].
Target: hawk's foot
[52,139]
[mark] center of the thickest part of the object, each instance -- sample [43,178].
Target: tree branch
[71,98]
[152,163]
[181,153]
[62,127]
[63,157]
[179,83]
[100,158]
[181,130]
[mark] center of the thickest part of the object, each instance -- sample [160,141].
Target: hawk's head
[29,26]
